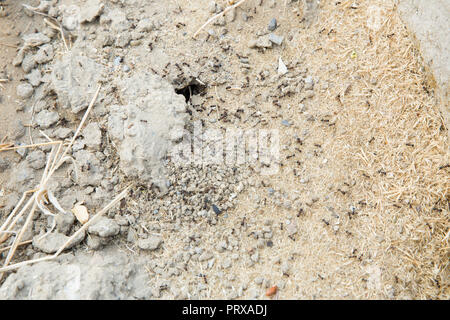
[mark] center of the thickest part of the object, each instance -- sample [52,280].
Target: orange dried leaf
[271,291]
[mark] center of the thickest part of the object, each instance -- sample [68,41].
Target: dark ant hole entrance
[192,89]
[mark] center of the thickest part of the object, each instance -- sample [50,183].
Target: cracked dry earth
[346,215]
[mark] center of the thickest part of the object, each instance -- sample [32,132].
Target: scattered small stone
[36,159]
[309,83]
[92,135]
[285,123]
[152,243]
[292,229]
[268,235]
[132,236]
[94,242]
[205,256]
[46,119]
[145,25]
[216,209]
[226,263]
[117,61]
[285,268]
[25,90]
[309,94]
[278,40]
[104,227]
[34,77]
[53,241]
[22,175]
[260,42]
[19,58]
[220,21]
[3,165]
[282,69]
[212,7]
[64,222]
[35,39]
[272,24]
[91,10]
[44,54]
[62,133]
[21,151]
[28,63]
[74,80]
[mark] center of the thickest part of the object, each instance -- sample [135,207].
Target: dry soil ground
[359,207]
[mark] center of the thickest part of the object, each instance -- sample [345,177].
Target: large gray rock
[152,243]
[54,241]
[37,159]
[104,227]
[92,135]
[105,274]
[427,21]
[147,127]
[46,118]
[24,90]
[75,79]
[91,171]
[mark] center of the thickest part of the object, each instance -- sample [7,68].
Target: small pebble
[285,123]
[117,61]
[278,40]
[151,243]
[216,209]
[282,69]
[272,24]
[25,90]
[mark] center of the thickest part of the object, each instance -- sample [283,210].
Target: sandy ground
[359,208]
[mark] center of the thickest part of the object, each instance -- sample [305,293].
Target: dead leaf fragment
[271,291]
[81,213]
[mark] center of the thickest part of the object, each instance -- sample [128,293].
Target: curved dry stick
[61,249]
[20,244]
[80,126]
[218,16]
[11,215]
[93,219]
[20,235]
[30,145]
[30,201]
[13,223]
[48,172]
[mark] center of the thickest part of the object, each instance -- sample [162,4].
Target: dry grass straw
[57,26]
[57,158]
[217,16]
[393,137]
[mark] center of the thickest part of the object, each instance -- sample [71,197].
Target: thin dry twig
[51,24]
[218,16]
[56,159]
[8,45]
[71,238]
[20,244]
[9,146]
